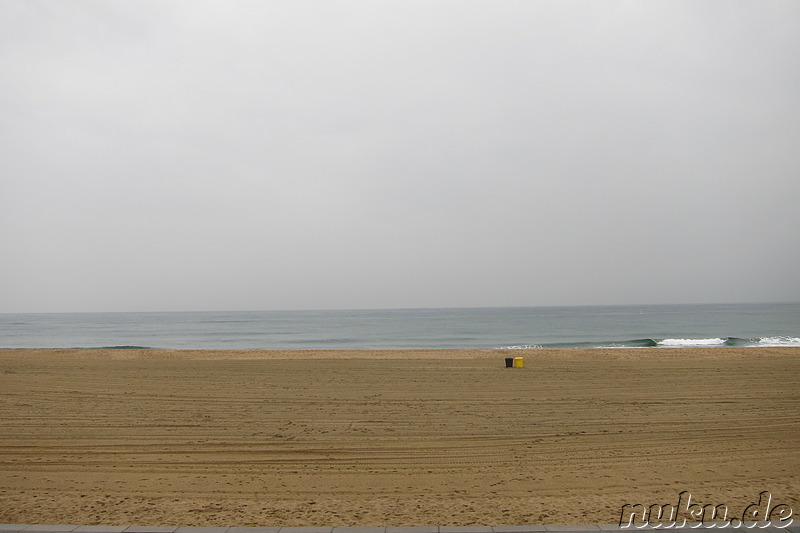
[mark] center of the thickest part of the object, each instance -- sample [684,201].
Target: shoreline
[715,352]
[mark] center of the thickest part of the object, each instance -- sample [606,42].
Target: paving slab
[785,525]
[695,526]
[715,526]
[683,529]
[202,529]
[572,528]
[306,530]
[245,529]
[413,529]
[465,529]
[518,529]
[360,529]
[12,528]
[638,526]
[616,527]
[777,524]
[150,529]
[100,529]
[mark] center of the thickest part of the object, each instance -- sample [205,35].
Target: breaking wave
[669,343]
[692,342]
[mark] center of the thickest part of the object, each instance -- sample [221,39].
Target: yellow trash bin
[518,362]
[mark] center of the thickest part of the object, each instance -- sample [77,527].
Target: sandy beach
[438,437]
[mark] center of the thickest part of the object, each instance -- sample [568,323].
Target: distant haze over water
[627,326]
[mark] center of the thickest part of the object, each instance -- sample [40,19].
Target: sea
[617,326]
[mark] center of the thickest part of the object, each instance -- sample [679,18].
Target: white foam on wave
[691,342]
[522,347]
[779,341]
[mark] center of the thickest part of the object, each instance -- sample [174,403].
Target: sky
[179,155]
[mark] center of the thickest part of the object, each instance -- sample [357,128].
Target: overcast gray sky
[243,155]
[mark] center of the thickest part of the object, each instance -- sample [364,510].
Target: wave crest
[692,342]
[778,341]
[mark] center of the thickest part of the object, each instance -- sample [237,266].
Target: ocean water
[509,327]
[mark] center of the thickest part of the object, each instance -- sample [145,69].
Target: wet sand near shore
[393,437]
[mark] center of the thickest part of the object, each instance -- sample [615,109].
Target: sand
[451,437]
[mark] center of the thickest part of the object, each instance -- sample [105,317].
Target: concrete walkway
[40,528]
